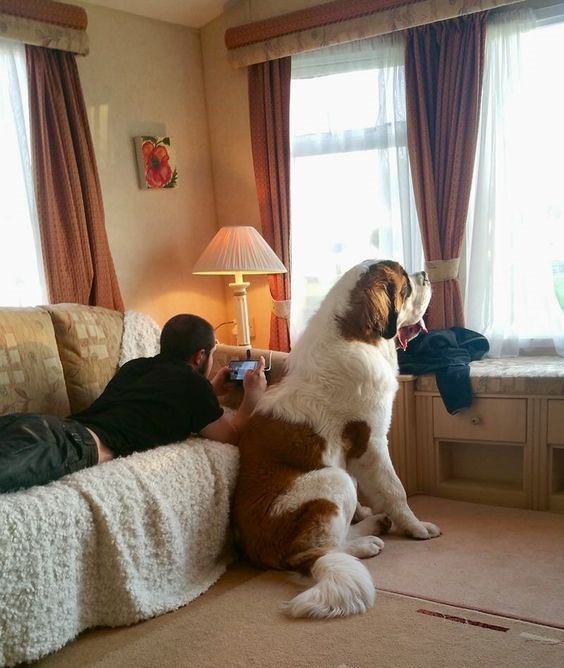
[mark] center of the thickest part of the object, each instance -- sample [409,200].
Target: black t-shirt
[151,401]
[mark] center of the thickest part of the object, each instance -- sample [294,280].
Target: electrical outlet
[252,328]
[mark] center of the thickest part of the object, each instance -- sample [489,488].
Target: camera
[238,369]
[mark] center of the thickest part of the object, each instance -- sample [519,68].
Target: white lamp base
[241,313]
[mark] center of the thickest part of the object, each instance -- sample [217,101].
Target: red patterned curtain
[78,263]
[269,108]
[444,68]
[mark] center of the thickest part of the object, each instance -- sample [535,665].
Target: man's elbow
[223,433]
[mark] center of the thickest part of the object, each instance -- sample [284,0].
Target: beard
[203,365]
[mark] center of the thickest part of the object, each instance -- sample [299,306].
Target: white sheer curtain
[515,233]
[22,280]
[351,192]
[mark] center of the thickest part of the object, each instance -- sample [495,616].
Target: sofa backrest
[56,359]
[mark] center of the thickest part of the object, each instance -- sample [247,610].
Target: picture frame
[156,163]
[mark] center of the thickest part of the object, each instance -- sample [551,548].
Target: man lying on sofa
[150,401]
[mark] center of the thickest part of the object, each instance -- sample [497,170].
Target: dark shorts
[36,449]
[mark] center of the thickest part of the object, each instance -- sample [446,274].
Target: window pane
[351,193]
[21,272]
[515,229]
[542,110]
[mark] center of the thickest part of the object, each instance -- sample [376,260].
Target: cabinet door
[556,421]
[555,445]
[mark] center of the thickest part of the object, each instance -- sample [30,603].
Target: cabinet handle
[476,419]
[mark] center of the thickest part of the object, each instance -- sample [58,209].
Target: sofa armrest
[225,353]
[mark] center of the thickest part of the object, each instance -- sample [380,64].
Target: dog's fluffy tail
[342,587]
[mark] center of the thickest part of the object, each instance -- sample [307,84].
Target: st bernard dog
[322,430]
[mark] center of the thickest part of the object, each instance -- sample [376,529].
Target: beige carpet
[501,560]
[243,628]
[488,558]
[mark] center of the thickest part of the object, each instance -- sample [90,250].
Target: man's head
[190,339]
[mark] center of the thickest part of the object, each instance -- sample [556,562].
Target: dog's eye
[406,289]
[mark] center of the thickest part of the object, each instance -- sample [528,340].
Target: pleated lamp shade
[238,250]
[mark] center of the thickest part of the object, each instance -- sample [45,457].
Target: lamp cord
[227,322]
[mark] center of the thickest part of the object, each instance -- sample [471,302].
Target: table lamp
[239,250]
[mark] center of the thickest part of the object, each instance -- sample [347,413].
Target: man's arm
[228,429]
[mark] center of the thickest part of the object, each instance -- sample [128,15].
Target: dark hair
[185,334]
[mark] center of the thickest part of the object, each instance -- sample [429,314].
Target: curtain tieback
[281,309]
[442,270]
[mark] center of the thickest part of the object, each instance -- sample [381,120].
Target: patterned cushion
[31,375]
[89,339]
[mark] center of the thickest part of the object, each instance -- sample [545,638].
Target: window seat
[510,375]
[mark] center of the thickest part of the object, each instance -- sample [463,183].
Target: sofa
[119,542]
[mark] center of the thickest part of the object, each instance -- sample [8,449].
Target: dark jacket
[447,352]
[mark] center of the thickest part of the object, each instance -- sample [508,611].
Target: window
[21,270]
[515,233]
[351,193]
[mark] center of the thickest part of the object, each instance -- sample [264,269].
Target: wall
[145,77]
[230,142]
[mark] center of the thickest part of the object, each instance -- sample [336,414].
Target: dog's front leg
[382,489]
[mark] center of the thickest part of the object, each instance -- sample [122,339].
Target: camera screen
[239,369]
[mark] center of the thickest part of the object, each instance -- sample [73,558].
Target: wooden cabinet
[555,454]
[401,437]
[504,450]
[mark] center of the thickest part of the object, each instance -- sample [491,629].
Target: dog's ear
[391,328]
[374,305]
[384,305]
[398,289]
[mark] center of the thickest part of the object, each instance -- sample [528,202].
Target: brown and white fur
[323,427]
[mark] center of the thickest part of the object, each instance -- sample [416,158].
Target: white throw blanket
[141,336]
[113,544]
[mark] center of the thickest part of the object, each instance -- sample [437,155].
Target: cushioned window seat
[510,375]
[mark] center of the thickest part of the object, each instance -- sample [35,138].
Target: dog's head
[384,303]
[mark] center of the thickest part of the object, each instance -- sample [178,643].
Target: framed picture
[155,163]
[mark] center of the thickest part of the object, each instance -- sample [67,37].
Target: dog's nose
[423,278]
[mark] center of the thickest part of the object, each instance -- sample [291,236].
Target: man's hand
[228,430]
[254,384]
[220,382]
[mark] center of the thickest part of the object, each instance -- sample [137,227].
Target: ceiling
[192,13]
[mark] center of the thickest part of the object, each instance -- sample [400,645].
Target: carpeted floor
[493,558]
[243,627]
[501,560]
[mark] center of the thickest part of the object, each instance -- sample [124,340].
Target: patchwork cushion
[89,339]
[31,375]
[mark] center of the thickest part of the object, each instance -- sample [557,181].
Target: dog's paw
[361,513]
[380,524]
[365,547]
[423,531]
[373,525]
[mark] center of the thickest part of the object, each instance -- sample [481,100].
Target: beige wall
[145,77]
[150,77]
[230,142]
